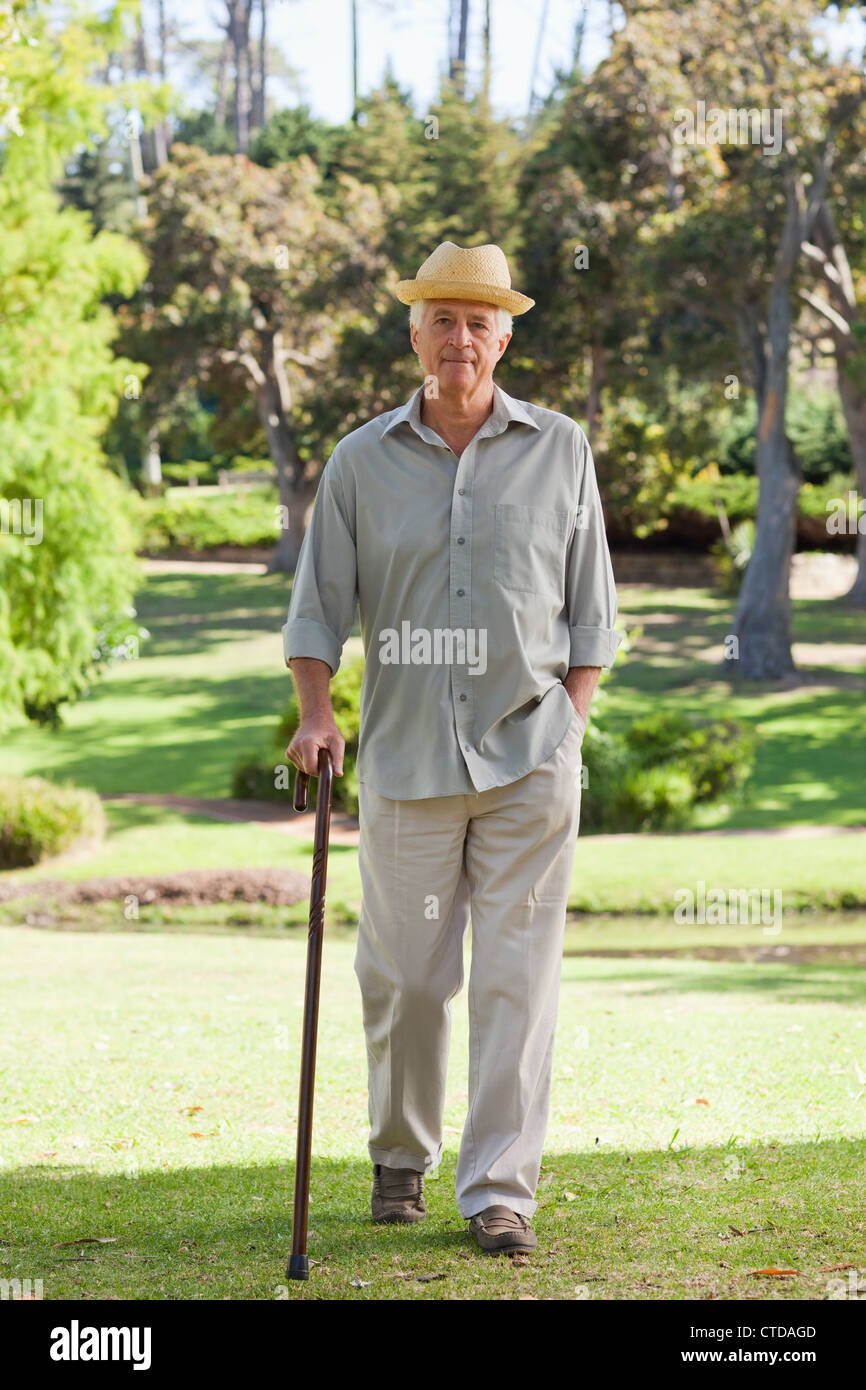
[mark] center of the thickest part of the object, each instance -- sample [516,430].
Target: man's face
[458,343]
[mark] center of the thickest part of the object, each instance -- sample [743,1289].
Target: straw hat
[477,273]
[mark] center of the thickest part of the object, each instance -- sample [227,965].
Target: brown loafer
[398,1194]
[501,1231]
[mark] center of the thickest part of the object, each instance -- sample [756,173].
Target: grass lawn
[810,765]
[708,1120]
[708,1116]
[611,874]
[211,682]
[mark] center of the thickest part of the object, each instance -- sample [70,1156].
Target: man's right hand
[314,733]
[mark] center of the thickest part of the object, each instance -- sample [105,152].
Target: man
[468,526]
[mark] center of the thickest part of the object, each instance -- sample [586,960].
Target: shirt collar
[505,410]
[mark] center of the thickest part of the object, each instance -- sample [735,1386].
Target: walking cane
[299,1265]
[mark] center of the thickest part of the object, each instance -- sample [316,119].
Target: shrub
[203,470]
[202,523]
[39,819]
[650,777]
[254,777]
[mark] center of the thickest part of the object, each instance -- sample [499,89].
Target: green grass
[107,1046]
[611,874]
[811,740]
[211,683]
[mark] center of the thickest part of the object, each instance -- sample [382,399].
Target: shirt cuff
[306,637]
[593,646]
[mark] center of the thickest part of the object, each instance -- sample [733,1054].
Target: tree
[738,237]
[841,313]
[67,567]
[253,281]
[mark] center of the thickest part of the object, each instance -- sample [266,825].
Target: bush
[816,427]
[202,523]
[256,777]
[39,819]
[203,470]
[650,777]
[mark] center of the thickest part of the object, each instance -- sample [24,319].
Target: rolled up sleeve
[589,585]
[324,592]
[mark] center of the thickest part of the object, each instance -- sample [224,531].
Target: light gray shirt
[479,581]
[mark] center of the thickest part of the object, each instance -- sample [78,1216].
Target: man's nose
[460,336]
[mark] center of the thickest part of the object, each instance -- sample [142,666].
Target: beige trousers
[505,855]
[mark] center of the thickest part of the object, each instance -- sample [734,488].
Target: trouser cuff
[471,1206]
[399,1158]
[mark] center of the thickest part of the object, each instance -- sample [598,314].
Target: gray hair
[504,320]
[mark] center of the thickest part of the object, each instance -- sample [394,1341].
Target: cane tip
[299,1267]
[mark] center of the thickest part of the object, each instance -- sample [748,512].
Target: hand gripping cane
[299,1265]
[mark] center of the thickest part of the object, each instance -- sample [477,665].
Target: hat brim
[409,291]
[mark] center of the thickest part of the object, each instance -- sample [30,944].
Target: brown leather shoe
[501,1231]
[398,1194]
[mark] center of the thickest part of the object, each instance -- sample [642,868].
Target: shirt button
[461,540]
[462,697]
[460,593]
[461,491]
[468,747]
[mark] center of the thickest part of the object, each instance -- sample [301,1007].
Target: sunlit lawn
[707,1121]
[211,682]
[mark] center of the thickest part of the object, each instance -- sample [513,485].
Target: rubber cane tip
[299,1267]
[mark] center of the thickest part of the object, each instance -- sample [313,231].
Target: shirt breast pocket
[529,549]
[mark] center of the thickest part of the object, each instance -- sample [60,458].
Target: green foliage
[289,133]
[39,819]
[59,382]
[652,776]
[200,523]
[815,424]
[203,470]
[254,777]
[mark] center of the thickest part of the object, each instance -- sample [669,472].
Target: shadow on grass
[684,1223]
[776,982]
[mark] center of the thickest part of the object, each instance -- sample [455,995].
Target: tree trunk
[273,400]
[354,61]
[762,624]
[597,372]
[164,139]
[240,36]
[458,60]
[854,409]
[839,284]
[485,81]
[260,113]
[222,92]
[155,139]
[536,57]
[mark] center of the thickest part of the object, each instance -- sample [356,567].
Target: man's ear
[504,340]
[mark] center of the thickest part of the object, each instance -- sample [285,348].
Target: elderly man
[469,528]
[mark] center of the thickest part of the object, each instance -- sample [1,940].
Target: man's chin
[457,371]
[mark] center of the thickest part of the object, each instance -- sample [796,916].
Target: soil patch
[192,887]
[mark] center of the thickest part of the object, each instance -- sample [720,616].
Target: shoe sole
[398,1219]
